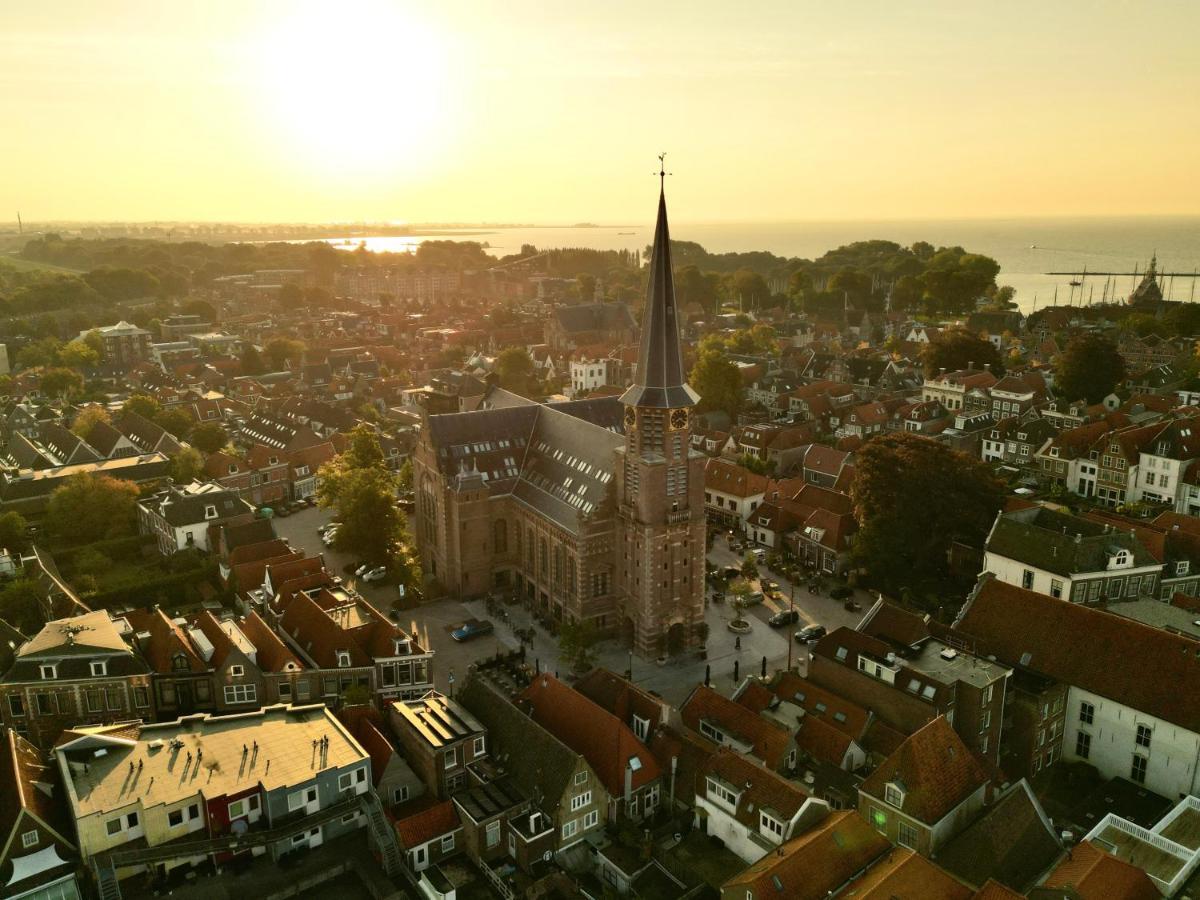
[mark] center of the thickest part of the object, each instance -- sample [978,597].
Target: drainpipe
[674,763]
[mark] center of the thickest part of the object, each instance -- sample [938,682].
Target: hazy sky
[552,112]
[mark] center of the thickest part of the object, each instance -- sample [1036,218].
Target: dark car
[810,634]
[784,617]
[472,628]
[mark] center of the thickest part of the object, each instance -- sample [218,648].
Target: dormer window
[343,659]
[232,468]
[1181,567]
[48,670]
[1120,560]
[893,795]
[99,668]
[179,662]
[210,512]
[237,671]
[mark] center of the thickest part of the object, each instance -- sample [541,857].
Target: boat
[1075,283]
[626,232]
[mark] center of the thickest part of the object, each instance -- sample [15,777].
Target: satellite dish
[547,856]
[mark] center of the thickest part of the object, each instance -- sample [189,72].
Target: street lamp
[451,680]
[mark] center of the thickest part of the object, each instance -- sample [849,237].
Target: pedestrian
[737,642]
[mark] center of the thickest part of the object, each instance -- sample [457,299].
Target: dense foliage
[913,497]
[1090,368]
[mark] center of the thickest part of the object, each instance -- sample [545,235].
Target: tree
[956,349]
[187,465]
[514,368]
[252,362]
[912,498]
[89,418]
[60,382]
[280,351]
[404,478]
[144,405]
[576,645]
[90,561]
[175,421]
[21,605]
[585,284]
[718,382]
[358,485]
[209,437]
[694,286]
[14,531]
[291,296]
[749,566]
[748,289]
[42,352]
[89,508]
[78,354]
[1089,368]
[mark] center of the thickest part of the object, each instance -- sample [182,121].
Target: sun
[354,87]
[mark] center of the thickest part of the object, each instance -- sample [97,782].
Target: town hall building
[592,509]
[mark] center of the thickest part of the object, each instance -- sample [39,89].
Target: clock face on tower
[679,418]
[630,417]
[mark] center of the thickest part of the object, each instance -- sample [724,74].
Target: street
[673,680]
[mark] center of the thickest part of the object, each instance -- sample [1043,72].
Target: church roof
[660,381]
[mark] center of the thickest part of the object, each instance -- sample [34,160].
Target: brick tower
[660,479]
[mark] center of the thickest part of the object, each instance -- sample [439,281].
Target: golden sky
[552,112]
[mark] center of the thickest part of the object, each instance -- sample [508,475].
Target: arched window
[532,549]
[501,536]
[545,556]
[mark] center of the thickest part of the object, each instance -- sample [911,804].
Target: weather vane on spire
[662,172]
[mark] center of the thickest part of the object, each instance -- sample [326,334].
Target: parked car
[328,538]
[810,634]
[361,569]
[784,617]
[376,574]
[472,628]
[326,528]
[759,553]
[282,511]
[752,598]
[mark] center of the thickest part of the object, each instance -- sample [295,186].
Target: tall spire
[660,381]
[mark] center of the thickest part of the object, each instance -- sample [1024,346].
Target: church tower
[660,483]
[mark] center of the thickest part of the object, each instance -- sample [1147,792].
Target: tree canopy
[91,508]
[358,485]
[912,498]
[956,349]
[718,382]
[209,437]
[1089,368]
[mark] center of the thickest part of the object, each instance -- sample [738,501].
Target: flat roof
[1159,615]
[928,659]
[438,719]
[109,767]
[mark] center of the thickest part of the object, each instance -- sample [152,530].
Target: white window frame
[569,829]
[900,829]
[579,801]
[99,668]
[448,842]
[492,834]
[241,693]
[52,668]
[29,839]
[581,777]
[450,758]
[771,825]
[893,795]
[591,819]
[480,747]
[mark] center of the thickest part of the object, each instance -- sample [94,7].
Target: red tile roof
[601,738]
[1025,628]
[425,823]
[902,874]
[758,787]
[815,864]
[769,741]
[1096,875]
[934,769]
[271,653]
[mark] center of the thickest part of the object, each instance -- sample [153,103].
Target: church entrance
[676,639]
[628,631]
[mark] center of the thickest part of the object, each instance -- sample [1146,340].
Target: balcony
[679,517]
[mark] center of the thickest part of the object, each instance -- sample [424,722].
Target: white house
[1069,558]
[180,516]
[732,492]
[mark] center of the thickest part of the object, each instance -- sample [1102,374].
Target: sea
[1028,250]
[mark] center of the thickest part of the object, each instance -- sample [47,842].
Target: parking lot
[674,679]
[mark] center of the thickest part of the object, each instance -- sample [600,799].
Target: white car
[328,538]
[376,574]
[362,570]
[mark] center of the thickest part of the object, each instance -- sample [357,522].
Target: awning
[35,863]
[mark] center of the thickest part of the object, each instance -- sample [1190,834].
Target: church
[592,509]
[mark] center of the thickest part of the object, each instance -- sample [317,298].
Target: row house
[28,491]
[79,669]
[1172,540]
[1016,395]
[816,401]
[1069,459]
[909,684]
[950,388]
[568,800]
[731,492]
[1016,441]
[749,808]
[1071,558]
[865,420]
[626,769]
[181,516]
[260,477]
[147,436]
[826,466]
[134,787]
[1139,720]
[927,418]
[1142,353]
[441,741]
[728,723]
[352,643]
[1165,466]
[37,850]
[927,792]
[1071,413]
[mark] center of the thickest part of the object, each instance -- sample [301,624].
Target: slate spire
[660,382]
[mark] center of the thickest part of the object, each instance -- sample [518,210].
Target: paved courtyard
[672,680]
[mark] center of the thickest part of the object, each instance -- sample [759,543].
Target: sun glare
[354,88]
